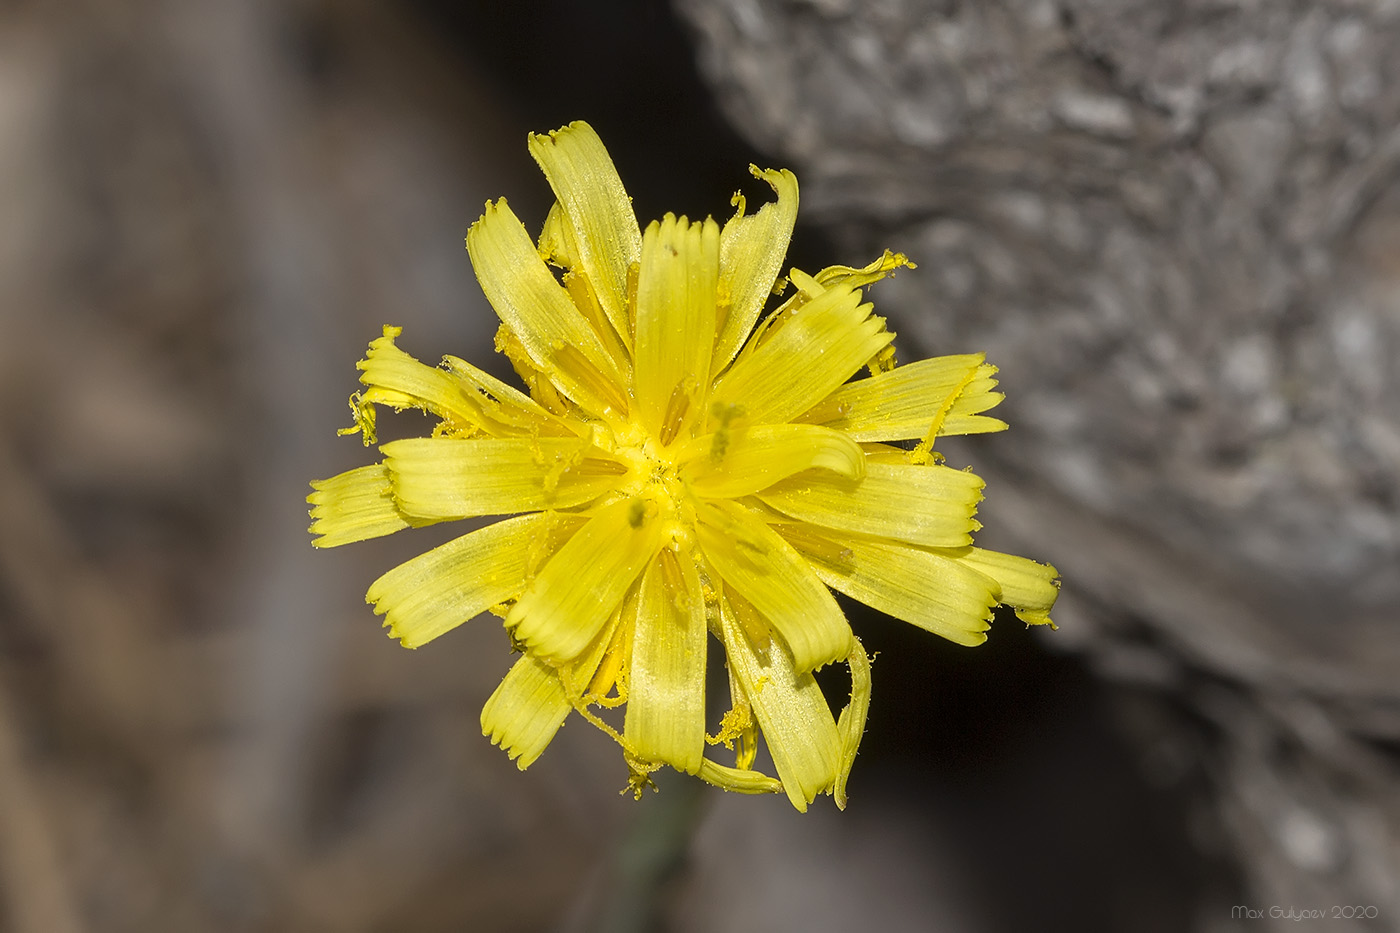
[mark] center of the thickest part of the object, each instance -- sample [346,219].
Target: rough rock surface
[1176,229]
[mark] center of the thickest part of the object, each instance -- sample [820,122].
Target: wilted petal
[1026,586]
[394,378]
[751,252]
[886,265]
[503,411]
[851,725]
[738,780]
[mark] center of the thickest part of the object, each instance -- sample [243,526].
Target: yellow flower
[678,469]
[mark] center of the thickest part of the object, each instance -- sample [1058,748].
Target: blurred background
[1175,226]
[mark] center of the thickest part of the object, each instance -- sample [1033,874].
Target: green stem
[651,854]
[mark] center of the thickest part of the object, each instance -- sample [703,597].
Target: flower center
[653,477]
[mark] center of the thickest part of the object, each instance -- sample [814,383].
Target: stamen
[572,361]
[922,454]
[676,408]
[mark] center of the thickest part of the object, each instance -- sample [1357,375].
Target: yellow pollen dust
[653,481]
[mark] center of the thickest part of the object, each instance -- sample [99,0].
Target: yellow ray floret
[666,683]
[930,505]
[571,598]
[759,565]
[451,584]
[558,339]
[679,468]
[675,323]
[796,721]
[817,348]
[749,461]
[447,478]
[525,711]
[355,506]
[751,252]
[596,210]
[947,394]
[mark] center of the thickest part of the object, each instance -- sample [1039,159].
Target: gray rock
[1176,229]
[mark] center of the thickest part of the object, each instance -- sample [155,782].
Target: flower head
[679,469]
